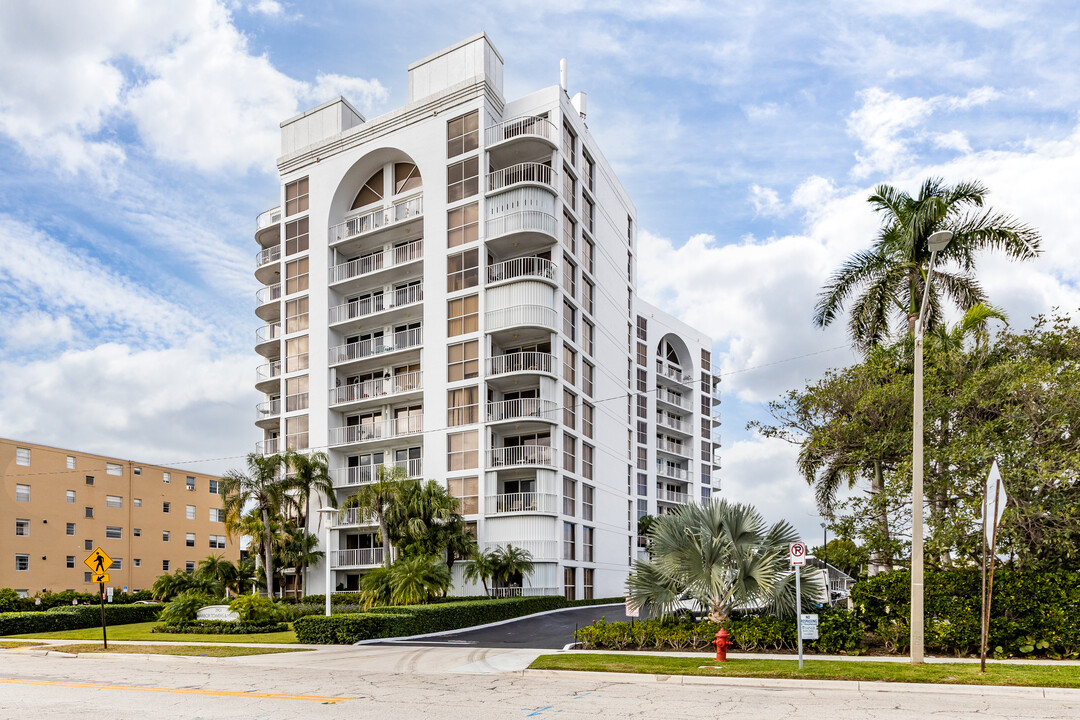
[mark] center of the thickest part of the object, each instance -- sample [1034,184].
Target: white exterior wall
[337,158]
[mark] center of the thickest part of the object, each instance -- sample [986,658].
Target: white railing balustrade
[268,371]
[268,447]
[376,219]
[521,502]
[522,267]
[522,455]
[505,592]
[522,408]
[673,447]
[673,423]
[665,395]
[375,262]
[674,472]
[379,303]
[521,362]
[528,125]
[358,557]
[269,255]
[384,429]
[536,315]
[539,549]
[267,410]
[408,209]
[377,346]
[268,294]
[522,172]
[395,385]
[267,218]
[669,496]
[268,332]
[672,372]
[364,474]
[520,221]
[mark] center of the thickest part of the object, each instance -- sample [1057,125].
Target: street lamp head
[937,241]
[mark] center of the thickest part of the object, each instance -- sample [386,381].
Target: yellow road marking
[179,691]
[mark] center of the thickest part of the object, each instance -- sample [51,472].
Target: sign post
[797,557]
[99,563]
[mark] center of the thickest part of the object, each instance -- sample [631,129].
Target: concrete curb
[442,633]
[780,684]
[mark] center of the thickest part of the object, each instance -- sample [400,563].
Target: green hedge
[405,620]
[10,602]
[74,617]
[220,627]
[1032,613]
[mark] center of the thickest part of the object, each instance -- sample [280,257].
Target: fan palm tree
[887,280]
[218,569]
[723,556]
[418,520]
[376,499]
[483,565]
[416,579]
[263,486]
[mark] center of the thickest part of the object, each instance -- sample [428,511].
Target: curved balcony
[382,430]
[271,446]
[349,477]
[534,316]
[527,135]
[389,223]
[521,362]
[268,376]
[398,342]
[379,389]
[522,456]
[522,409]
[268,225]
[541,551]
[268,308]
[267,264]
[268,414]
[267,340]
[525,173]
[379,304]
[521,221]
[522,267]
[524,502]
[356,558]
[369,265]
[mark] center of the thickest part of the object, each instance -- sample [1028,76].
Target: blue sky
[138,143]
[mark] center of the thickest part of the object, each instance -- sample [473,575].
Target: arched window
[371,192]
[667,351]
[406,177]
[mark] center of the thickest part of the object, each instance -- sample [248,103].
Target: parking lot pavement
[551,631]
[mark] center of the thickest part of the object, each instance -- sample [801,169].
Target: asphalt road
[552,631]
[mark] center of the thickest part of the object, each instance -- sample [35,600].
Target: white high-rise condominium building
[450,289]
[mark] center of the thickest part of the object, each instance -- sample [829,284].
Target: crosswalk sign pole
[101,597]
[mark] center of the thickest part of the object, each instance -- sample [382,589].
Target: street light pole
[936,242]
[327,513]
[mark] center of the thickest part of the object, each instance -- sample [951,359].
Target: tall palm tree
[310,474]
[724,557]
[376,499]
[263,486]
[887,280]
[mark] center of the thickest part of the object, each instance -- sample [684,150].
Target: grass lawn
[951,673]
[141,631]
[4,645]
[200,650]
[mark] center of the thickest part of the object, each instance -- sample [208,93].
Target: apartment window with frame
[165,565]
[296,314]
[642,380]
[642,406]
[587,411]
[587,374]
[296,393]
[463,134]
[588,495]
[569,143]
[569,320]
[22,562]
[70,462]
[569,188]
[462,225]
[136,470]
[189,539]
[89,479]
[165,536]
[136,532]
[642,328]
[69,562]
[296,354]
[466,490]
[569,276]
[189,566]
[22,456]
[462,179]
[642,459]
[88,512]
[588,293]
[706,360]
[214,488]
[642,484]
[463,361]
[69,496]
[462,450]
[587,210]
[296,196]
[643,432]
[114,469]
[166,507]
[166,478]
[138,562]
[462,315]
[569,544]
[88,544]
[217,542]
[189,512]
[217,515]
[114,533]
[22,527]
[296,236]
[569,497]
[296,275]
[587,543]
[588,331]
[569,409]
[569,365]
[590,170]
[296,432]
[706,429]
[462,406]
[569,582]
[462,270]
[569,455]
[588,254]
[569,229]
[586,461]
[642,355]
[69,529]
[587,583]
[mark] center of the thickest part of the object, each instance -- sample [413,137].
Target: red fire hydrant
[721,643]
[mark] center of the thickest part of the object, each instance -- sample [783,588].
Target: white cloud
[952,140]
[765,200]
[813,193]
[36,330]
[879,125]
[267,7]
[358,91]
[974,98]
[761,112]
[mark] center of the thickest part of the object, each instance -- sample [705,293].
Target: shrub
[257,609]
[185,607]
[220,627]
[10,601]
[74,618]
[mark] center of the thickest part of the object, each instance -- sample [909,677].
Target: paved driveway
[545,632]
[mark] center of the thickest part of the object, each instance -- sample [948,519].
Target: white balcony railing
[364,474]
[400,255]
[271,446]
[531,172]
[670,496]
[268,371]
[267,410]
[520,221]
[673,423]
[378,218]
[672,471]
[522,267]
[379,387]
[267,218]
[359,557]
[522,455]
[521,409]
[268,294]
[505,592]
[377,304]
[672,372]
[539,549]
[268,332]
[674,448]
[529,315]
[665,395]
[521,362]
[522,502]
[267,256]
[377,346]
[525,126]
[382,430]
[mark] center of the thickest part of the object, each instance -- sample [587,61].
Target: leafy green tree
[512,564]
[416,521]
[722,555]
[262,486]
[886,281]
[299,550]
[843,554]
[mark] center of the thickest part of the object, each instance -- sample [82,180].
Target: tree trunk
[385,539]
[878,561]
[267,559]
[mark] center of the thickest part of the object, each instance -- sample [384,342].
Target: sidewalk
[708,654]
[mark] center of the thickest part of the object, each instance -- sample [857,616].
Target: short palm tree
[218,569]
[513,563]
[724,557]
[483,565]
[376,499]
[886,281]
[417,579]
[300,550]
[262,486]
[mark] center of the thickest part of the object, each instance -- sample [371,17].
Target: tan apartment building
[58,505]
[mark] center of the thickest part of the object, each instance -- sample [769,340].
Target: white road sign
[808,626]
[797,554]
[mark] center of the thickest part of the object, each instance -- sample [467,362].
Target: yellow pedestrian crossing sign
[99,577]
[99,562]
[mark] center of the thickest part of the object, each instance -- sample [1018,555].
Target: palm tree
[245,575]
[310,474]
[887,279]
[300,549]
[376,499]
[218,569]
[459,541]
[417,522]
[724,557]
[483,565]
[416,579]
[513,563]
[263,486]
